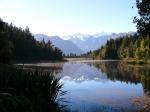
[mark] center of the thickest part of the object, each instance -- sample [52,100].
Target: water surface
[104,85]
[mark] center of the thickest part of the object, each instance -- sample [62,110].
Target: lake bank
[27,91]
[59,64]
[137,62]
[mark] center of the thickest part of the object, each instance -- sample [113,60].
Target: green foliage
[143,22]
[133,47]
[28,91]
[19,44]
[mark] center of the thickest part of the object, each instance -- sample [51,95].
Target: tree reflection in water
[125,73]
[130,74]
[83,77]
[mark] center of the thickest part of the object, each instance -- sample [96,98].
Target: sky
[67,17]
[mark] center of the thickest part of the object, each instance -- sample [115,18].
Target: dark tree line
[134,46]
[19,44]
[143,22]
[129,47]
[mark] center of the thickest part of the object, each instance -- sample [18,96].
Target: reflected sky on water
[103,86]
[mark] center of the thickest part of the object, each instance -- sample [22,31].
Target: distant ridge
[66,46]
[81,43]
[93,42]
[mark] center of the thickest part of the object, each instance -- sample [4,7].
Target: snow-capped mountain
[90,43]
[66,46]
[81,43]
[93,42]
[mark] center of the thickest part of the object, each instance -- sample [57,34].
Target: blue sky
[66,17]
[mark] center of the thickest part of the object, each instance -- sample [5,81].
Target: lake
[104,86]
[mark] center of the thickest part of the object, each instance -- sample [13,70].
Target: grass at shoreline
[127,61]
[28,91]
[137,62]
[35,61]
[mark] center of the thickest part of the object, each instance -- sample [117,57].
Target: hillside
[126,48]
[80,43]
[19,44]
[134,47]
[92,42]
[66,46]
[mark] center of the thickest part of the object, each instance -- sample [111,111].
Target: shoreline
[40,63]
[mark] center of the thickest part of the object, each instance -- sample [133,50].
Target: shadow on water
[107,87]
[29,91]
[95,86]
[133,75]
[125,73]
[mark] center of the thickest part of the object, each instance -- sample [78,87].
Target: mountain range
[80,43]
[66,46]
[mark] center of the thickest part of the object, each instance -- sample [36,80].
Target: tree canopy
[127,47]
[131,46]
[19,44]
[143,22]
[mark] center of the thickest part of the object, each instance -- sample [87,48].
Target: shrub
[25,91]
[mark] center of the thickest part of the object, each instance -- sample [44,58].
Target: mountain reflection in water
[104,86]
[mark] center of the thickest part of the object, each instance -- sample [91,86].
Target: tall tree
[19,44]
[143,22]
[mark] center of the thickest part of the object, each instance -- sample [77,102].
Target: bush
[24,91]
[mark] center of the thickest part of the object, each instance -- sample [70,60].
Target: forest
[129,47]
[134,47]
[17,44]
[39,90]
[27,90]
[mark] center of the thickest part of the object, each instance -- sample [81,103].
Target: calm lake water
[104,86]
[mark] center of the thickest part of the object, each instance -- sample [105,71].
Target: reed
[29,91]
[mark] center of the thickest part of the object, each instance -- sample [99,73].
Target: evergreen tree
[134,46]
[143,22]
[19,44]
